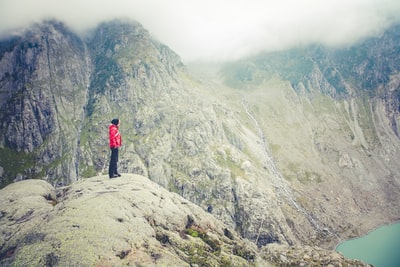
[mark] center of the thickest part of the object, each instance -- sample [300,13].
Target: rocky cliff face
[44,84]
[292,148]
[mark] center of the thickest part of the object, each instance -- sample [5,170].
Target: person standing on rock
[115,144]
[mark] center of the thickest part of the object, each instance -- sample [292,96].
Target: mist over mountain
[219,31]
[298,147]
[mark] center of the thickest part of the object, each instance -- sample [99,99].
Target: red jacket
[115,136]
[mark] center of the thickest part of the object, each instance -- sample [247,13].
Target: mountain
[129,221]
[297,147]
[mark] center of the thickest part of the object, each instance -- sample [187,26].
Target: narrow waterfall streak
[277,175]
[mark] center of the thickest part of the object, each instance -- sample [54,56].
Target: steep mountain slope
[292,147]
[330,118]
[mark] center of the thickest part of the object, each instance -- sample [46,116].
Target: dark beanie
[115,121]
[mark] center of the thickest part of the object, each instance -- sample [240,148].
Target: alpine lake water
[381,247]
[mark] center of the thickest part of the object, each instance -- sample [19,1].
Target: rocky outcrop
[307,256]
[103,222]
[127,221]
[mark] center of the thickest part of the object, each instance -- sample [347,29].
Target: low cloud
[219,30]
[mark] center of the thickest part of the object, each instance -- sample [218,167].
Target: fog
[219,30]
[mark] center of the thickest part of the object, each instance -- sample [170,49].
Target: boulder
[112,222]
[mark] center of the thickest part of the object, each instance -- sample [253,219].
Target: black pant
[112,170]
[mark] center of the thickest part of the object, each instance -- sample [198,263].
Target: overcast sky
[219,29]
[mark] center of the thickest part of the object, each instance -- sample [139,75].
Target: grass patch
[14,162]
[198,232]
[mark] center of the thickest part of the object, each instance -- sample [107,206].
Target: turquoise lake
[380,247]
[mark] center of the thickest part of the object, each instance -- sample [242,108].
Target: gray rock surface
[128,221]
[283,255]
[113,222]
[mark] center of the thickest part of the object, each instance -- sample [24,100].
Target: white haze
[219,30]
